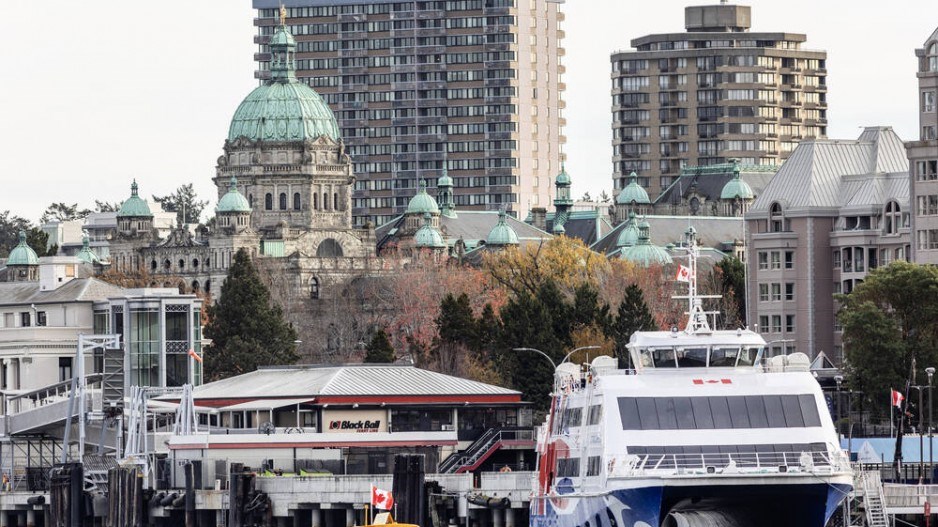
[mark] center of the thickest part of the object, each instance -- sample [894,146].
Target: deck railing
[728,463]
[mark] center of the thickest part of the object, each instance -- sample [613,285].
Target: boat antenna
[697,321]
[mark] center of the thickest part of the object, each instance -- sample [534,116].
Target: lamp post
[921,435]
[552,363]
[931,457]
[839,379]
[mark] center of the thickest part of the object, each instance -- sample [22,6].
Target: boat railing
[715,464]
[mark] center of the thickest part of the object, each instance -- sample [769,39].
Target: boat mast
[697,321]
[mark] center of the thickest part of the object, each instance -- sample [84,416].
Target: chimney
[56,271]
[539,218]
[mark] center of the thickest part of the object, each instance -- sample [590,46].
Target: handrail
[727,463]
[482,445]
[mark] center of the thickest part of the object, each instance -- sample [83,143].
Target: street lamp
[552,363]
[839,379]
[921,425]
[931,457]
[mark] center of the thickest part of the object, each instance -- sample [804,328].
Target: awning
[264,404]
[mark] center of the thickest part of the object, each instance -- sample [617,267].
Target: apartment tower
[714,93]
[470,87]
[923,157]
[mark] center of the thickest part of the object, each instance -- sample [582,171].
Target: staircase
[873,500]
[492,440]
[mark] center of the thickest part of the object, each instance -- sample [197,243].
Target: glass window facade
[718,412]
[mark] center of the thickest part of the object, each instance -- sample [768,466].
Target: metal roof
[712,231]
[366,380]
[814,174]
[472,226]
[77,290]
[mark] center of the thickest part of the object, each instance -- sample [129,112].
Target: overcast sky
[94,94]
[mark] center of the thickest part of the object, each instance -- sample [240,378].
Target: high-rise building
[715,93]
[474,85]
[923,157]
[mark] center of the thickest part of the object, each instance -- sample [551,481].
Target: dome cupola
[22,254]
[644,253]
[427,236]
[502,234]
[134,206]
[633,193]
[233,201]
[283,108]
[422,202]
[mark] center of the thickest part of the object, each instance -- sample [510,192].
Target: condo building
[712,94]
[923,157]
[471,86]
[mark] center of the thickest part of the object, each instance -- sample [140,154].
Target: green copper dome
[502,233]
[22,254]
[283,108]
[445,180]
[628,236]
[736,188]
[422,202]
[633,192]
[644,253]
[134,206]
[233,201]
[86,254]
[427,236]
[563,178]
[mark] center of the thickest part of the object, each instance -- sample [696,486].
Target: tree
[888,320]
[732,279]
[63,212]
[246,327]
[633,315]
[566,262]
[541,322]
[379,350]
[104,206]
[184,202]
[10,227]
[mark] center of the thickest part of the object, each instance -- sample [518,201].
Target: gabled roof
[712,231]
[586,225]
[77,290]
[355,380]
[473,226]
[813,175]
[709,182]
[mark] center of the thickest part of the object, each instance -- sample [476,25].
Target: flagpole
[892,419]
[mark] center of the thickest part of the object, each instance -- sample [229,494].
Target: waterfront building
[354,419]
[836,210]
[923,157]
[474,86]
[717,92]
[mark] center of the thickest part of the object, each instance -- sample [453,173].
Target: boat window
[568,467]
[663,358]
[646,358]
[595,412]
[719,412]
[748,356]
[692,357]
[723,356]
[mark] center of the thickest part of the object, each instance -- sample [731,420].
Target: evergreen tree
[247,329]
[184,203]
[588,310]
[633,315]
[488,328]
[380,350]
[732,274]
[456,323]
[541,322]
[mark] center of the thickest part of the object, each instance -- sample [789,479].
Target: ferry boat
[704,430]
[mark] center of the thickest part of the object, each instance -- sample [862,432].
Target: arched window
[268,201]
[314,288]
[932,57]
[325,201]
[335,201]
[283,201]
[182,264]
[167,264]
[195,263]
[329,248]
[153,265]
[315,201]
[208,286]
[776,218]
[195,286]
[296,201]
[251,200]
[892,218]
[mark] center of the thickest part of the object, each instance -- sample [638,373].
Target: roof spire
[133,188]
[282,52]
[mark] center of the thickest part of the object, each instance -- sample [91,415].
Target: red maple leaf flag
[381,499]
[897,398]
[683,274]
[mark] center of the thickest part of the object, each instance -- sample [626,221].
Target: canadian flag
[897,398]
[683,274]
[381,499]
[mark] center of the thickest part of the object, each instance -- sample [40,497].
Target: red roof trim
[307,444]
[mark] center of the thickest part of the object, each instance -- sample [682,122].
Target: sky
[94,94]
